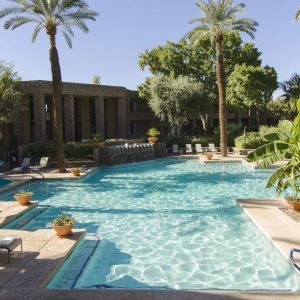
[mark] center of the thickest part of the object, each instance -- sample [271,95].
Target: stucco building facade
[115,111]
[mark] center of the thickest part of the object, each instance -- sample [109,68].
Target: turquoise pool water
[163,224]
[4,182]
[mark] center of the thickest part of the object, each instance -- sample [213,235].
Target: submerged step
[24,219]
[69,273]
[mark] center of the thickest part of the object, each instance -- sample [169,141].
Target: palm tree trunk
[57,105]
[222,95]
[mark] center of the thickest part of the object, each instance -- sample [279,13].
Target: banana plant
[283,145]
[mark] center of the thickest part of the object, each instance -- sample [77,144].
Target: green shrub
[78,151]
[74,151]
[264,130]
[36,151]
[205,140]
[181,141]
[111,142]
[250,140]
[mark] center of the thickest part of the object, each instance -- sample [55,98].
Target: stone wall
[115,155]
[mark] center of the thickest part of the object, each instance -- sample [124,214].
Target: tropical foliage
[218,18]
[285,144]
[51,16]
[10,94]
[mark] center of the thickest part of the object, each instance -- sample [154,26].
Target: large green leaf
[272,149]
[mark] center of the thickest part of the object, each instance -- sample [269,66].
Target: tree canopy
[198,61]
[10,95]
[175,101]
[251,86]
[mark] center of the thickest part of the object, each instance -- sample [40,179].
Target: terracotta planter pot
[76,172]
[152,140]
[99,145]
[292,205]
[23,200]
[63,230]
[209,156]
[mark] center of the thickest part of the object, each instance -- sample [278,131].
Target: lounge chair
[188,149]
[175,149]
[24,166]
[43,164]
[10,243]
[212,148]
[199,148]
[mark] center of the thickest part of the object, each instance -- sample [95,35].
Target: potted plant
[283,145]
[293,202]
[209,155]
[23,197]
[153,134]
[63,224]
[76,171]
[98,140]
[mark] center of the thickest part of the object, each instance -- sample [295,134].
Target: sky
[125,28]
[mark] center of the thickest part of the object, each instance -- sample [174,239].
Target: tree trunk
[222,95]
[204,123]
[57,105]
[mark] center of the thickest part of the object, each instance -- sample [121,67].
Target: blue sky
[126,28]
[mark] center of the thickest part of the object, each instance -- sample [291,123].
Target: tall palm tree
[218,18]
[291,88]
[51,16]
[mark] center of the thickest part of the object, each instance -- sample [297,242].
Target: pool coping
[10,210]
[281,230]
[49,294]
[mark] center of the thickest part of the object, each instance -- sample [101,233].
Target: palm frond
[36,31]
[52,15]
[297,16]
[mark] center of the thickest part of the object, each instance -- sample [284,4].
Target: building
[87,108]
[115,111]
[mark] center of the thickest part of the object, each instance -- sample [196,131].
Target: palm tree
[51,16]
[291,88]
[218,18]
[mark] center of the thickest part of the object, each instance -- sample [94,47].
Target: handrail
[292,259]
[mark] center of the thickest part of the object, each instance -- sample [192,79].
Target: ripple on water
[171,223]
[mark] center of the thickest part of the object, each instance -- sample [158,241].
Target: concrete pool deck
[278,227]
[43,253]
[9,210]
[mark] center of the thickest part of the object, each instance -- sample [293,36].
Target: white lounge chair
[24,166]
[212,148]
[199,148]
[188,149]
[175,149]
[43,164]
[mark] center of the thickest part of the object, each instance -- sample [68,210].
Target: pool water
[170,223]
[4,182]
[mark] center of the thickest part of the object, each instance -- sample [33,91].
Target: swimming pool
[4,182]
[170,223]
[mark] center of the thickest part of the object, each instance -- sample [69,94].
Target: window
[138,105]
[31,117]
[92,116]
[49,118]
[139,128]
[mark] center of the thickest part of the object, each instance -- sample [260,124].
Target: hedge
[73,151]
[250,140]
